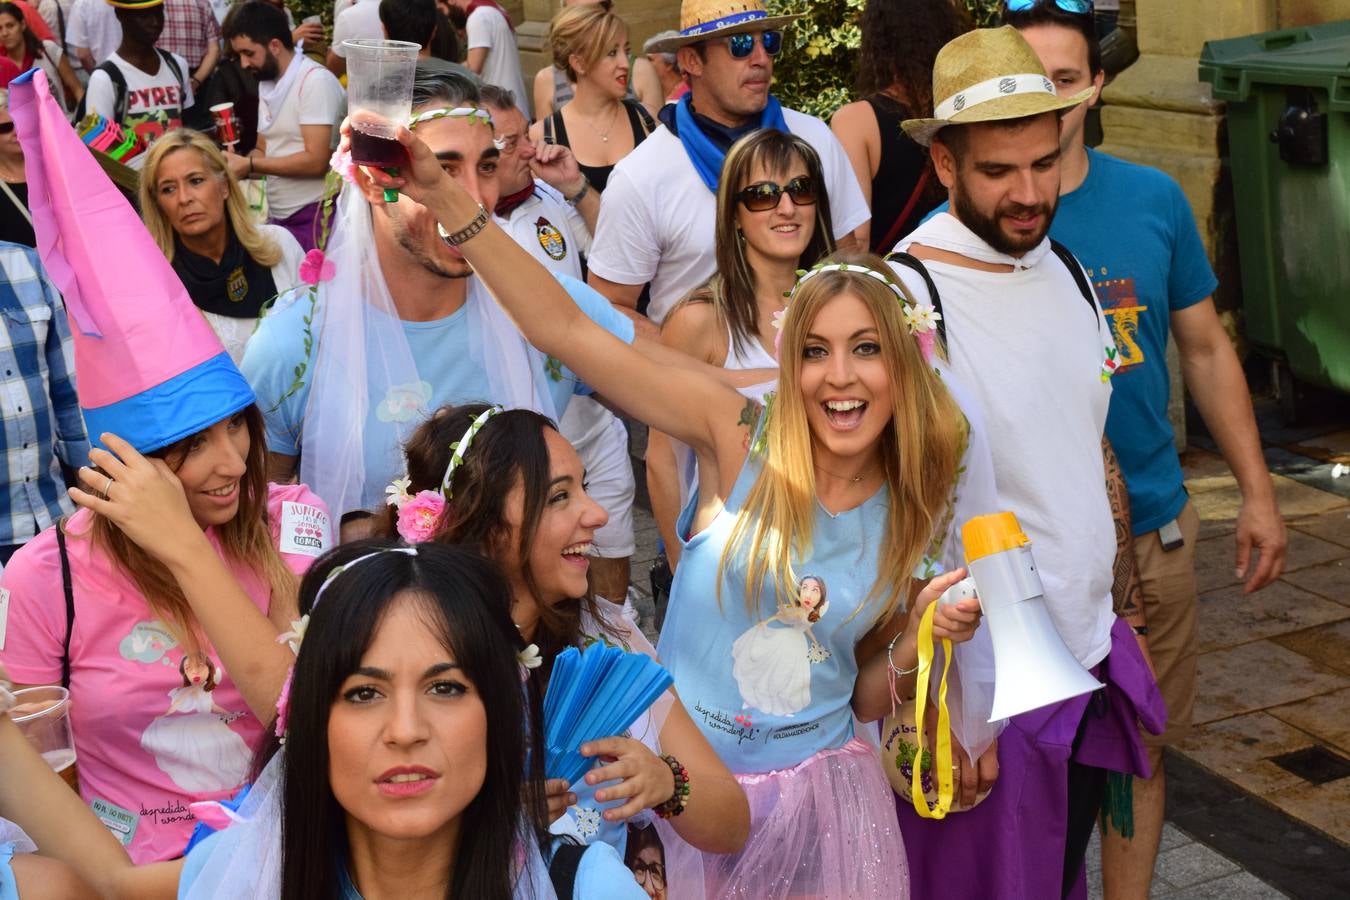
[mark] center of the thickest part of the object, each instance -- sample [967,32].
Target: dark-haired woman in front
[404,770]
[519,495]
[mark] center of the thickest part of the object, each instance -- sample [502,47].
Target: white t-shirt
[155,103]
[658,220]
[487,27]
[93,24]
[1033,354]
[554,233]
[316,97]
[357,22]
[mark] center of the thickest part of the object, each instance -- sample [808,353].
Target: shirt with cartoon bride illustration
[772,687]
[156,727]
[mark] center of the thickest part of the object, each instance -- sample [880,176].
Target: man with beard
[399,326]
[1024,331]
[138,86]
[299,105]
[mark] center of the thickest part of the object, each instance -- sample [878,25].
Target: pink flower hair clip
[420,515]
[316,267]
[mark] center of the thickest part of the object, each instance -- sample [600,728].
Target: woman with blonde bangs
[553,88]
[197,214]
[601,124]
[851,476]
[773,219]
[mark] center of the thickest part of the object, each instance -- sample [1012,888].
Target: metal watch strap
[476,225]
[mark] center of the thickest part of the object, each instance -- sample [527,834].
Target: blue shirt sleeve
[601,312]
[1190,279]
[72,443]
[274,352]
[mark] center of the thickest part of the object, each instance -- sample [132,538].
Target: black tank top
[902,164]
[555,132]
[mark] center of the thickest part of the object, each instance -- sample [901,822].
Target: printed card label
[122,823]
[305,530]
[4,615]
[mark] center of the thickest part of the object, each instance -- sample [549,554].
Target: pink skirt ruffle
[826,828]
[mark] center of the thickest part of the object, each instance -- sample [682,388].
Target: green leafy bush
[816,69]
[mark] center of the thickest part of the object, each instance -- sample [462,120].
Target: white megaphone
[1032,667]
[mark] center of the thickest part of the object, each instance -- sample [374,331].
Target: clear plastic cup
[43,715]
[379,99]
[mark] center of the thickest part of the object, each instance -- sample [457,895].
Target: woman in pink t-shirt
[180,581]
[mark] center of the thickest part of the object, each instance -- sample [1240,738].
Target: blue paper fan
[594,693]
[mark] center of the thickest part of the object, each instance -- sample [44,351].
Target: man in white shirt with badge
[300,104]
[658,213]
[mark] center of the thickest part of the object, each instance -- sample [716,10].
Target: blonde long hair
[263,250]
[920,452]
[245,540]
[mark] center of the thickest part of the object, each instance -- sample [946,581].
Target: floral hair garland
[920,318]
[526,659]
[419,516]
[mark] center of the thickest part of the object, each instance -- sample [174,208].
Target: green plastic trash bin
[1288,95]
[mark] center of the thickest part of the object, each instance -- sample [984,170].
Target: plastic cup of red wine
[379,99]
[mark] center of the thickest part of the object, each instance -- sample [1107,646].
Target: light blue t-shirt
[1133,230]
[445,363]
[772,688]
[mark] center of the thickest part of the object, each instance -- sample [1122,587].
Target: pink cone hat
[148,366]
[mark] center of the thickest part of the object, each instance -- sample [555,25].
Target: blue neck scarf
[706,155]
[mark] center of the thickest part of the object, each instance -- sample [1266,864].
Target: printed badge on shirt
[306,530]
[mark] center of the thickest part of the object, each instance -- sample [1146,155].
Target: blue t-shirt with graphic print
[1132,229]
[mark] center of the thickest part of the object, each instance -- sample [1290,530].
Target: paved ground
[1259,798]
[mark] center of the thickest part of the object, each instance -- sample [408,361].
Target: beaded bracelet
[678,800]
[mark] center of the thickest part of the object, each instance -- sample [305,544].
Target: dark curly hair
[900,41]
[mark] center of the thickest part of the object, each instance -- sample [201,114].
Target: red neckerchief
[507,205]
[493,4]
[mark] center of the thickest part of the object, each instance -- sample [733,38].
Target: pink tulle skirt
[826,828]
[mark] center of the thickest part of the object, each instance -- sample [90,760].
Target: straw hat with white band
[701,20]
[988,75]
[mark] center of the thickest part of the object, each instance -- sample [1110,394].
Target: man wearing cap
[658,213]
[139,86]
[1152,275]
[1024,331]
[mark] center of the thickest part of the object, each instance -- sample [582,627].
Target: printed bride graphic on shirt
[772,660]
[191,742]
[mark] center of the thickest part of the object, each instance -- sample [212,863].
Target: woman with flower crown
[850,476]
[508,483]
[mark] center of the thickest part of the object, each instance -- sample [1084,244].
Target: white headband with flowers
[920,318]
[420,516]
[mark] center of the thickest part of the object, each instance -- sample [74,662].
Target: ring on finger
[107,487]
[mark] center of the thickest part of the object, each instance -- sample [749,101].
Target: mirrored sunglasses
[1069,6]
[742,45]
[765,195]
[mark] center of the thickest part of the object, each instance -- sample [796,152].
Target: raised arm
[686,404]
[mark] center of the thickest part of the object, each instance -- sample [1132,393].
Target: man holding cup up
[299,105]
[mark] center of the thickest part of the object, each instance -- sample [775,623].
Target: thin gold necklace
[853,479]
[604,135]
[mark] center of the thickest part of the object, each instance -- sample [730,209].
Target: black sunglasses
[742,45]
[6,127]
[765,195]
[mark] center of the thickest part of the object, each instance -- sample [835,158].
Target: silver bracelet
[476,225]
[581,194]
[890,660]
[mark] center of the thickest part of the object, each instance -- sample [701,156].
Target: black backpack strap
[562,869]
[119,83]
[177,71]
[1079,278]
[69,592]
[910,261]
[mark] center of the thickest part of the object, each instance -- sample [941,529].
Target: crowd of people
[315,471]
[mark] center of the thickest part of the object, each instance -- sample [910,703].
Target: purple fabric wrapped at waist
[1011,846]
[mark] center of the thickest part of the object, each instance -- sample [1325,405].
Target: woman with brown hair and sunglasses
[773,218]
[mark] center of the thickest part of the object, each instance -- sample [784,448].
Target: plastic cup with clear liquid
[379,101]
[43,715]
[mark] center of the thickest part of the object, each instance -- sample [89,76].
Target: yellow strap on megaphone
[942,753]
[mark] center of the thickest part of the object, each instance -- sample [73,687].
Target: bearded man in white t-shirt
[300,105]
[1025,333]
[493,54]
